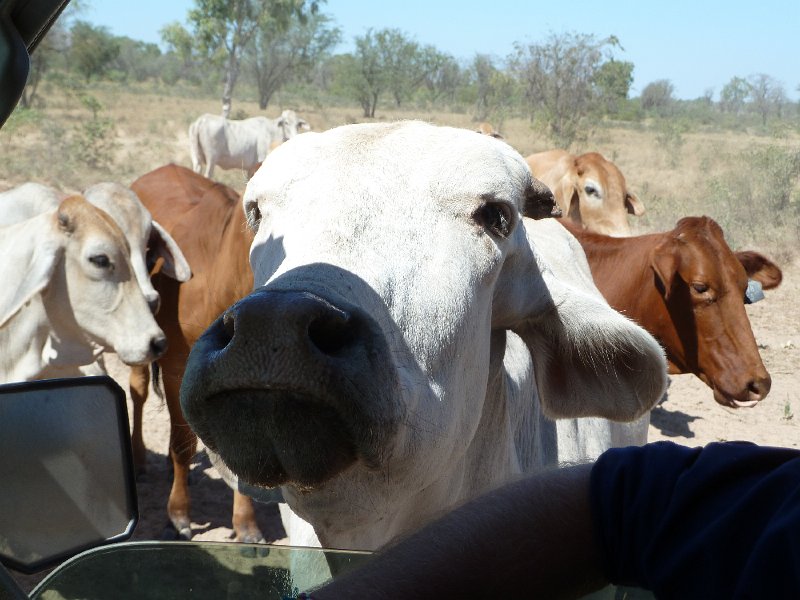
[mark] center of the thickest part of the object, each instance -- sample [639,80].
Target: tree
[495,91]
[92,49]
[658,96]
[277,56]
[733,96]
[224,28]
[384,60]
[766,95]
[400,58]
[53,46]
[483,71]
[181,56]
[559,79]
[613,81]
[137,60]
[442,75]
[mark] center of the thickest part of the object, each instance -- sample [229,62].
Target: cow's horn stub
[540,202]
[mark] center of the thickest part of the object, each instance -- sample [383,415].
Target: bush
[93,141]
[758,201]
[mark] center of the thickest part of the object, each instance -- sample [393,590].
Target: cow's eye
[591,190]
[253,215]
[700,288]
[496,217]
[100,260]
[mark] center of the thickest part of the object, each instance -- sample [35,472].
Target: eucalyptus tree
[225,28]
[559,78]
[278,55]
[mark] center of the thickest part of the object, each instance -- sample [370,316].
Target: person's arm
[533,537]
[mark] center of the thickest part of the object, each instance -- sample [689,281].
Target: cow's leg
[182,448]
[244,519]
[209,169]
[138,383]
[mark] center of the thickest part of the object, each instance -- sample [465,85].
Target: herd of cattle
[385,324]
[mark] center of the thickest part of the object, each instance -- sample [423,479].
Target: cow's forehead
[408,160]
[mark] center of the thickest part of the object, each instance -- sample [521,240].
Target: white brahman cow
[407,337]
[69,293]
[238,144]
[147,240]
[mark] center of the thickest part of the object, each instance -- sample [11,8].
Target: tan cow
[68,294]
[206,220]
[590,190]
[488,129]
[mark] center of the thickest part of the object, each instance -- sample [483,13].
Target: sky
[698,45]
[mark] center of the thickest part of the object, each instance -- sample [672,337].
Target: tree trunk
[231,74]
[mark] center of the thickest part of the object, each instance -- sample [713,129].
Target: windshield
[212,570]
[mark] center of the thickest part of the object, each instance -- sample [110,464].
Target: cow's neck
[35,346]
[622,271]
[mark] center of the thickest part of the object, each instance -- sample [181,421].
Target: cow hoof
[251,538]
[175,534]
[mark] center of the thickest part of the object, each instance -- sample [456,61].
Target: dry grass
[675,172]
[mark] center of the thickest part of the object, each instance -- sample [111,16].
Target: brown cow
[206,220]
[687,288]
[590,190]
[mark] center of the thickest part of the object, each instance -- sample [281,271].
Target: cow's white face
[147,240]
[102,293]
[419,252]
[388,261]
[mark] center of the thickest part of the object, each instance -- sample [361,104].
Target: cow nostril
[158,345]
[759,388]
[229,323]
[332,332]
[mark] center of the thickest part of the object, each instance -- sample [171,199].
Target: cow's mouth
[274,437]
[733,402]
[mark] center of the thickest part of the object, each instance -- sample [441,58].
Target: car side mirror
[66,470]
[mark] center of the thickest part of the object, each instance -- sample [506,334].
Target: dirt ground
[689,416]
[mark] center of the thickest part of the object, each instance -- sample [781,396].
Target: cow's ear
[30,254]
[588,359]
[665,262]
[760,268]
[567,195]
[162,245]
[633,204]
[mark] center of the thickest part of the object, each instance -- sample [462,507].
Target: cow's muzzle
[289,387]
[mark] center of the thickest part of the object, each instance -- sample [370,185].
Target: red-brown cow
[687,288]
[207,221]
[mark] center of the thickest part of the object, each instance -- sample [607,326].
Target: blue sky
[696,44]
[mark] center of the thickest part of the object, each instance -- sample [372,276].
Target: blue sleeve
[721,521]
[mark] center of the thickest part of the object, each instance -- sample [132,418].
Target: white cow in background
[407,335]
[243,144]
[68,294]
